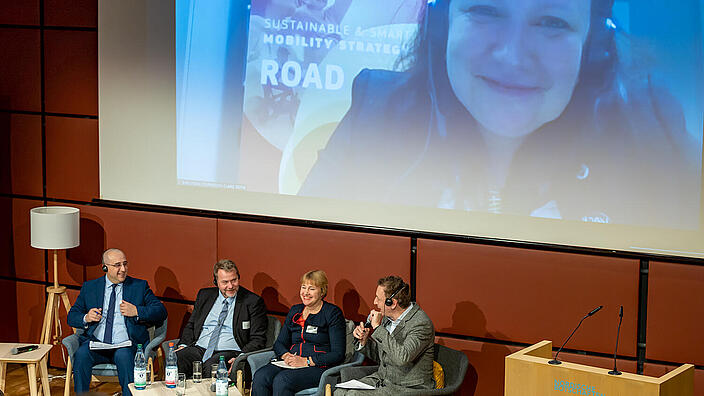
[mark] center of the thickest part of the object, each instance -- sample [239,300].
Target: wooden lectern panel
[528,373]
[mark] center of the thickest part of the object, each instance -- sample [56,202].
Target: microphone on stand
[620,319]
[593,311]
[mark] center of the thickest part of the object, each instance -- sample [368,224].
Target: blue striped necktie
[215,336]
[111,316]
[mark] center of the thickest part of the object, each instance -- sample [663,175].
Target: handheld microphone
[368,323]
[23,349]
[593,311]
[620,319]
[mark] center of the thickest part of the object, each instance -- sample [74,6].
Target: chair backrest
[157,334]
[349,340]
[156,331]
[454,364]
[272,331]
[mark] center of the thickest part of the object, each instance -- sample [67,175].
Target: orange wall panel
[675,313]
[527,296]
[25,156]
[72,163]
[19,12]
[485,374]
[173,253]
[178,317]
[7,255]
[20,85]
[9,310]
[82,13]
[71,71]
[272,259]
[28,261]
[82,263]
[31,302]
[658,370]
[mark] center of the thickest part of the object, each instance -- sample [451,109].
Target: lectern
[529,374]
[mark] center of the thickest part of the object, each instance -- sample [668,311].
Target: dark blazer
[150,311]
[322,337]
[249,307]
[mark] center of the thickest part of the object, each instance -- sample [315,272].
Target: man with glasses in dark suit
[113,310]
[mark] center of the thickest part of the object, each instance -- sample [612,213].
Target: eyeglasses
[118,265]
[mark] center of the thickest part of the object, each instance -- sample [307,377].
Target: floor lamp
[54,227]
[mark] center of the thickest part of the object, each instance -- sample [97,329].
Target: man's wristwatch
[308,361]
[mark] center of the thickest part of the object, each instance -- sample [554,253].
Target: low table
[159,388]
[34,359]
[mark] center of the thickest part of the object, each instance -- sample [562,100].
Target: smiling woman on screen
[521,107]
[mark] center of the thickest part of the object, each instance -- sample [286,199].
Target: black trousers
[186,356]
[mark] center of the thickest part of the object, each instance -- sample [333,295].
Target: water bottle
[221,382]
[140,369]
[171,368]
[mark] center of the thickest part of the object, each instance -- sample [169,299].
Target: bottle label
[171,375]
[221,388]
[140,378]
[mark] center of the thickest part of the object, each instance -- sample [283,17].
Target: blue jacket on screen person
[321,336]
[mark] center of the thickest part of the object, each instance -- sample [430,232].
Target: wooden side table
[34,359]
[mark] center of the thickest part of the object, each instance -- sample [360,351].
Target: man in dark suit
[113,309]
[226,321]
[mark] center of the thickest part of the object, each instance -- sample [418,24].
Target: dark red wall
[484,300]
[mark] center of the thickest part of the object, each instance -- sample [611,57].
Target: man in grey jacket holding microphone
[400,337]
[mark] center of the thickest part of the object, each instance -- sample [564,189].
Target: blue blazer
[322,337]
[150,311]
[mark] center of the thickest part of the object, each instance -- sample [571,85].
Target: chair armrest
[327,375]
[71,343]
[259,360]
[356,372]
[240,360]
[150,349]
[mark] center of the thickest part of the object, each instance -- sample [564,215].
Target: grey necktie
[215,336]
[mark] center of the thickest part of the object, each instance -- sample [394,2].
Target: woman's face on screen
[514,63]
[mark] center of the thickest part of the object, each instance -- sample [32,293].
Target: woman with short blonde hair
[312,337]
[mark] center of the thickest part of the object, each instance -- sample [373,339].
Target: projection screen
[571,122]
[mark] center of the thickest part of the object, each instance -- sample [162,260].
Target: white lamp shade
[55,227]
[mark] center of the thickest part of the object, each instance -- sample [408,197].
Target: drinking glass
[181,385]
[197,371]
[214,372]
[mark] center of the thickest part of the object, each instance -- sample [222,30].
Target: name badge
[312,329]
[245,325]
